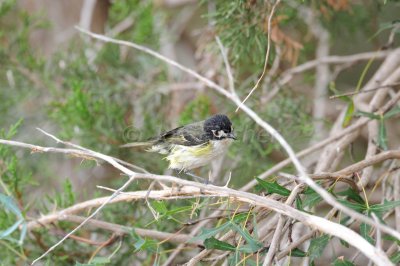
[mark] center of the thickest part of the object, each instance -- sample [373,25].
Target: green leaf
[68,198]
[208,233]
[100,260]
[213,243]
[273,187]
[238,218]
[247,248]
[369,115]
[351,194]
[10,205]
[365,229]
[145,244]
[355,206]
[394,111]
[311,199]
[383,26]
[382,136]
[349,114]
[342,262]
[395,258]
[299,204]
[392,238]
[317,246]
[298,253]
[384,207]
[234,259]
[159,206]
[344,243]
[253,243]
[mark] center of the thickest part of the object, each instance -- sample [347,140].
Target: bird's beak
[232,136]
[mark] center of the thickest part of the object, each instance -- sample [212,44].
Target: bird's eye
[219,133]
[216,133]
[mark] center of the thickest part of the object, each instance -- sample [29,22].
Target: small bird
[193,145]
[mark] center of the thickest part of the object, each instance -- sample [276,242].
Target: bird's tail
[138,144]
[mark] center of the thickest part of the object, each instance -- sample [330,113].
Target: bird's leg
[198,178]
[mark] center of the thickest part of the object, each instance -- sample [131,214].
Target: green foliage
[67,197]
[273,187]
[365,230]
[395,258]
[196,110]
[240,25]
[311,199]
[342,262]
[213,243]
[382,135]
[317,246]
[352,195]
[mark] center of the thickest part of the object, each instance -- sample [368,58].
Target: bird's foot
[198,178]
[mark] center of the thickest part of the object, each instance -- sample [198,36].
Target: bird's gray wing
[189,135]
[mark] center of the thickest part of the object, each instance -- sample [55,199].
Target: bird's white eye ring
[216,133]
[219,133]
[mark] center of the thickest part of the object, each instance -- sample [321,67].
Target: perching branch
[319,223]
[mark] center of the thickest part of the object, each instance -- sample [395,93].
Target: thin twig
[266,55]
[227,66]
[364,91]
[122,230]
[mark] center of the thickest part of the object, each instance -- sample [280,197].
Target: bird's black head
[219,127]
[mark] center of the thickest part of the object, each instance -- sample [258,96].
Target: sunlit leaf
[366,114]
[349,114]
[159,206]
